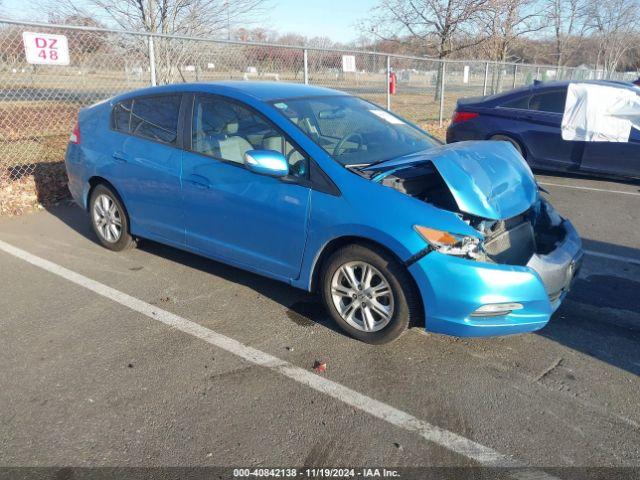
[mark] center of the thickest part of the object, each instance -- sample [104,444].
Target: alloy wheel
[362,296]
[107,218]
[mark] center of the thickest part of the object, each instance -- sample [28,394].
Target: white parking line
[449,440]
[637,194]
[619,258]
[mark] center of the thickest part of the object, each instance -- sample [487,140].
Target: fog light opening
[496,309]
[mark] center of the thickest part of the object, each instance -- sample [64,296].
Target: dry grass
[440,132]
[44,187]
[33,174]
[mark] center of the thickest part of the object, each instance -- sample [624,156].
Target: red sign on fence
[45,48]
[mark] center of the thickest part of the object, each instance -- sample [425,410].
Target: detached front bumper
[453,288]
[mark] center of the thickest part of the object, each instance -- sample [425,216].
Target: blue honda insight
[329,193]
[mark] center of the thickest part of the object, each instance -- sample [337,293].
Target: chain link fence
[39,103]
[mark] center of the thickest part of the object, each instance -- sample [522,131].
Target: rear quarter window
[121,116]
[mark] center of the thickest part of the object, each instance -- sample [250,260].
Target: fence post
[152,62]
[441,113]
[538,73]
[486,79]
[387,84]
[306,67]
[515,74]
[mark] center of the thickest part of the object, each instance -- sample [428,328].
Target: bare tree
[446,26]
[443,26]
[198,18]
[567,19]
[185,17]
[613,23]
[506,21]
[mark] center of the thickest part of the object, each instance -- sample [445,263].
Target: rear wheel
[109,219]
[369,294]
[512,141]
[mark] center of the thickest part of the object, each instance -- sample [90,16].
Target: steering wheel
[345,139]
[298,168]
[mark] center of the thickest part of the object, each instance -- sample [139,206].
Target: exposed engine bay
[512,241]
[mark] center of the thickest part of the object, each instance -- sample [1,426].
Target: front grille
[513,246]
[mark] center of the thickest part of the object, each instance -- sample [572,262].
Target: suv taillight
[75,134]
[463,116]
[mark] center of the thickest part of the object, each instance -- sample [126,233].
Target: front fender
[361,233]
[371,212]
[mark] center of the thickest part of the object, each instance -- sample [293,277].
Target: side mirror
[266,162]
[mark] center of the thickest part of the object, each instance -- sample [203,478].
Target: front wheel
[369,294]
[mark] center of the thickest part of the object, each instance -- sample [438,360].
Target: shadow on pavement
[600,317]
[303,308]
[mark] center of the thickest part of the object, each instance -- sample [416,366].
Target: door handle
[198,180]
[120,157]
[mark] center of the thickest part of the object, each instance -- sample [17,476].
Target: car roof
[495,99]
[564,83]
[261,90]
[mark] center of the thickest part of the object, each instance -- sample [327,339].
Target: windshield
[353,131]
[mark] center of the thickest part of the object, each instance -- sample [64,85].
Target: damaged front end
[491,189]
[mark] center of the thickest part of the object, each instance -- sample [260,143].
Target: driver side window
[226,130]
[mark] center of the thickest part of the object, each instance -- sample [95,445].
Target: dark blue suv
[530,119]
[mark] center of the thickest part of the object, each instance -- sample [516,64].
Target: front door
[251,220]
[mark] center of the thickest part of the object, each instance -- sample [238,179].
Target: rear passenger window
[122,116]
[549,101]
[156,118]
[522,102]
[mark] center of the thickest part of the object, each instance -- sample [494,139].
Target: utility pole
[226,4]
[152,56]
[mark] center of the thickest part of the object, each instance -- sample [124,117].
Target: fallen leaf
[319,366]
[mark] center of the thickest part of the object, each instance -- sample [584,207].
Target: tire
[402,306]
[104,199]
[512,141]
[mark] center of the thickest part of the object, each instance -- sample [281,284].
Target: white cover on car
[600,113]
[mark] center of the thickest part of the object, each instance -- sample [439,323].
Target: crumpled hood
[487,179]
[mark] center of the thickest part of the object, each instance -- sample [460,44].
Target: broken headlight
[451,243]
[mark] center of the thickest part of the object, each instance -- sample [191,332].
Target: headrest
[231,128]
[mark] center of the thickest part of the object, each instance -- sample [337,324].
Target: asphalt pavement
[89,379]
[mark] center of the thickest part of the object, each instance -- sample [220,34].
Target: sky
[335,19]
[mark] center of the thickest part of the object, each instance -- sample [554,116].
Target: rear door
[543,139]
[147,162]
[251,220]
